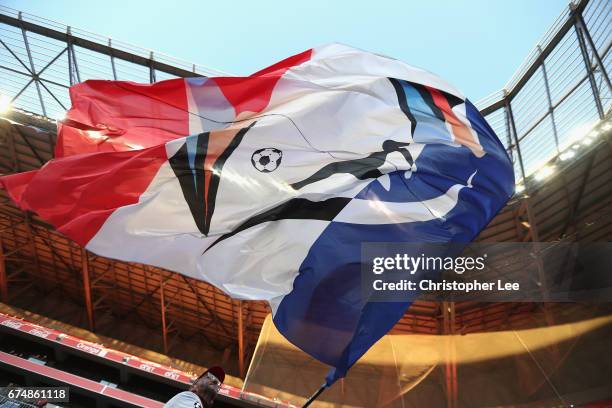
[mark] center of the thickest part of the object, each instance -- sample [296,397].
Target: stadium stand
[34,355]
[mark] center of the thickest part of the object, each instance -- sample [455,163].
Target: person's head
[207,386]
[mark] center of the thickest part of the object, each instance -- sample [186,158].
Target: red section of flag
[16,184]
[252,94]
[77,194]
[118,116]
[281,67]
[112,143]
[460,131]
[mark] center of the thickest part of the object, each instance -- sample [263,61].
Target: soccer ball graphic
[266,160]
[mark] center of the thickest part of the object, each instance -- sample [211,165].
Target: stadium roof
[560,197]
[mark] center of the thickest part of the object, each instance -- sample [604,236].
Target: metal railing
[40,59]
[559,92]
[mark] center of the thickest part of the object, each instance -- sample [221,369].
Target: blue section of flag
[429,127]
[326,314]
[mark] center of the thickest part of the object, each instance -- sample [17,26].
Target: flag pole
[314,396]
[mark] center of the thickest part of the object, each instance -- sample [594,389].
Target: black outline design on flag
[294,209]
[363,168]
[427,97]
[326,210]
[192,180]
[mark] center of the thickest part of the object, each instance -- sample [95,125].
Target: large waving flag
[266,186]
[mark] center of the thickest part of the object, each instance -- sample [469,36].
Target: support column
[580,22]
[509,138]
[32,67]
[580,29]
[551,110]
[71,80]
[87,289]
[533,224]
[535,238]
[453,355]
[162,303]
[3,277]
[450,368]
[112,59]
[32,245]
[240,340]
[515,136]
[151,69]
[73,66]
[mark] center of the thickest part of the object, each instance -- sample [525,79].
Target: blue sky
[476,45]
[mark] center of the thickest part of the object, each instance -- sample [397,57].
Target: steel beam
[10,140]
[574,207]
[533,224]
[551,110]
[71,80]
[162,302]
[94,46]
[87,290]
[3,277]
[53,60]
[516,140]
[454,355]
[52,95]
[210,311]
[512,149]
[240,340]
[587,34]
[32,245]
[587,64]
[27,142]
[450,367]
[112,59]
[249,323]
[32,68]
[16,57]
[73,67]
[151,69]
[535,239]
[509,139]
